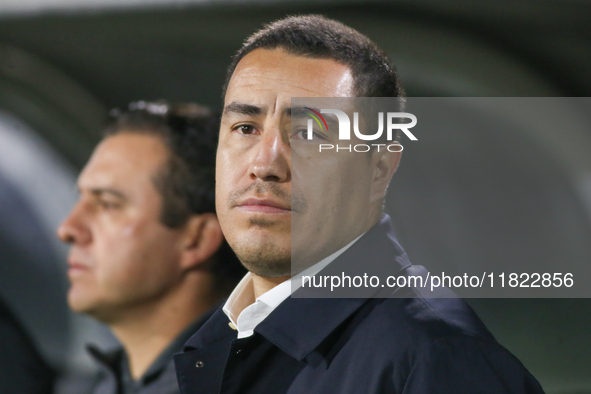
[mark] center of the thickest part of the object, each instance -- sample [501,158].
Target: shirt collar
[115,359]
[245,312]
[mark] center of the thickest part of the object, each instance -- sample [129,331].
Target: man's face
[121,257]
[259,192]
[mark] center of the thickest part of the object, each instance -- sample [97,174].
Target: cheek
[131,257]
[336,195]
[117,253]
[323,182]
[231,176]
[126,233]
[352,192]
[225,172]
[222,192]
[231,164]
[129,231]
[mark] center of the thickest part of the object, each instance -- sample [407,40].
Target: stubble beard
[264,259]
[260,255]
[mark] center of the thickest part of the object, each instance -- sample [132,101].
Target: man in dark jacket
[148,257]
[326,211]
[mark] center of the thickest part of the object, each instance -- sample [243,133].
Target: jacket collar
[216,329]
[306,318]
[115,359]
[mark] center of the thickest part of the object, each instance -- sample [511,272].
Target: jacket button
[199,364]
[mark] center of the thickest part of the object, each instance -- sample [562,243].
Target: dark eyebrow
[97,192]
[331,119]
[243,109]
[299,111]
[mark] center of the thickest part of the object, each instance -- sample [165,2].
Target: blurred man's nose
[73,230]
[272,160]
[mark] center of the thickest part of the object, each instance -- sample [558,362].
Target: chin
[77,304]
[92,309]
[263,257]
[270,269]
[80,302]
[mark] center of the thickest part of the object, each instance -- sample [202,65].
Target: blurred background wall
[63,63]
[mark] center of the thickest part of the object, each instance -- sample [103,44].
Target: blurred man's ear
[385,165]
[203,239]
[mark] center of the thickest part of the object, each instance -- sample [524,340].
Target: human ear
[385,164]
[203,238]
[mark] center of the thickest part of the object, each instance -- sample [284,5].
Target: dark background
[62,67]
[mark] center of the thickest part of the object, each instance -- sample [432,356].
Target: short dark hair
[186,181]
[316,36]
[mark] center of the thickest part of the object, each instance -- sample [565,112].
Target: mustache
[297,203]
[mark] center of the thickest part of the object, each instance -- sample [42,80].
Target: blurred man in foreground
[357,344]
[148,257]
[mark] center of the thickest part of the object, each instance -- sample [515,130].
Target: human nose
[73,229]
[272,160]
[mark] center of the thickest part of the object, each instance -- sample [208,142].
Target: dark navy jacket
[355,345]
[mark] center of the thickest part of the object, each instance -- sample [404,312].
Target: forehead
[276,75]
[124,158]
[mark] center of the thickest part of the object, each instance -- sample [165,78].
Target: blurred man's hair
[186,181]
[318,37]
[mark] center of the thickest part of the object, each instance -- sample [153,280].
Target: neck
[147,330]
[262,285]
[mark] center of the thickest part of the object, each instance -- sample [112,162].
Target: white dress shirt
[245,312]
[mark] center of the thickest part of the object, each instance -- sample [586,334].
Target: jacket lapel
[200,367]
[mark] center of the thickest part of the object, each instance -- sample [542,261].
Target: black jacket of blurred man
[147,256]
[285,344]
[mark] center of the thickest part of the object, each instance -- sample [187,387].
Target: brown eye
[246,129]
[303,135]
